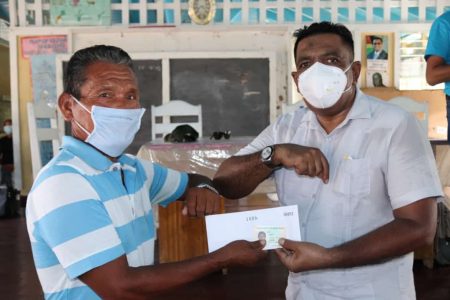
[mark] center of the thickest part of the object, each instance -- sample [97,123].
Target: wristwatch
[267,155]
[209,187]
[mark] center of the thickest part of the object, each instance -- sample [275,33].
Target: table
[203,156]
[181,237]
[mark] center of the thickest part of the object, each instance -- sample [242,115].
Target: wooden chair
[44,134]
[418,109]
[177,112]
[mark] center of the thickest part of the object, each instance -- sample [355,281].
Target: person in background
[6,154]
[89,212]
[378,51]
[359,169]
[437,56]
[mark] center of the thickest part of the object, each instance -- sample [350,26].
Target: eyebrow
[329,53]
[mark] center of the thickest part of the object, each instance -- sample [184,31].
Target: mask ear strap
[345,71]
[82,128]
[81,104]
[348,68]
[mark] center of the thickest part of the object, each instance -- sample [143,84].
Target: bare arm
[238,176]
[116,280]
[414,226]
[437,70]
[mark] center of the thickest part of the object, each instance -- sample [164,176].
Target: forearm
[394,239]
[143,282]
[438,73]
[238,176]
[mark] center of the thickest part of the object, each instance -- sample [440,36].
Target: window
[412,62]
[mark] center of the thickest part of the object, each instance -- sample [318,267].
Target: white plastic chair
[418,109]
[170,115]
[39,113]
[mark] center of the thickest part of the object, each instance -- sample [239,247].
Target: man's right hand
[304,160]
[242,253]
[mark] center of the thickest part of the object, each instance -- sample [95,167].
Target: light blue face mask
[7,129]
[114,128]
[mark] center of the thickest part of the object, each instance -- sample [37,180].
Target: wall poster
[41,51]
[377,60]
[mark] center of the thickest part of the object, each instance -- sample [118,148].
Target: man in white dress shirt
[360,170]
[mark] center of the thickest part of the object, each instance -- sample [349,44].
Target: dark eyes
[303,65]
[105,95]
[327,61]
[332,61]
[110,95]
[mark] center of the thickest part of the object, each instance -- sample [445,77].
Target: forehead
[318,44]
[100,72]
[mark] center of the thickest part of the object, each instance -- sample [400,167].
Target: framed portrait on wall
[378,55]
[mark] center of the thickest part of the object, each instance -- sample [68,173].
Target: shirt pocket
[353,177]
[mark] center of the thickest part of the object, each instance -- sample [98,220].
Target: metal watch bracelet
[209,187]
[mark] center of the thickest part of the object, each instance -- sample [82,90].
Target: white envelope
[269,223]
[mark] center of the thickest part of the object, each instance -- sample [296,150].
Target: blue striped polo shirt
[81,214]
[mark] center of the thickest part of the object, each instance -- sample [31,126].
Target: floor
[18,279]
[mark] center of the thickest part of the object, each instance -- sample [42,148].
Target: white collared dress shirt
[380,160]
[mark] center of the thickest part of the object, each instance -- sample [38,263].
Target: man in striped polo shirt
[89,214]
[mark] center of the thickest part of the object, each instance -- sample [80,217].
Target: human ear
[356,70]
[65,103]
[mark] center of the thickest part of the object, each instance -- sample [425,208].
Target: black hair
[376,38]
[80,60]
[321,28]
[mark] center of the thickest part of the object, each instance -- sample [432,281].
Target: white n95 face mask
[114,128]
[322,85]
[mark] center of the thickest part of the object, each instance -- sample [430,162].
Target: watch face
[266,153]
[202,11]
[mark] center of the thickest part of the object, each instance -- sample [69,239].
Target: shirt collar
[92,156]
[359,110]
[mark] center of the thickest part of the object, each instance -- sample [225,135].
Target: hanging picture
[377,60]
[80,12]
[41,51]
[42,45]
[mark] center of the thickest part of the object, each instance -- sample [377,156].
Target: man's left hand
[200,202]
